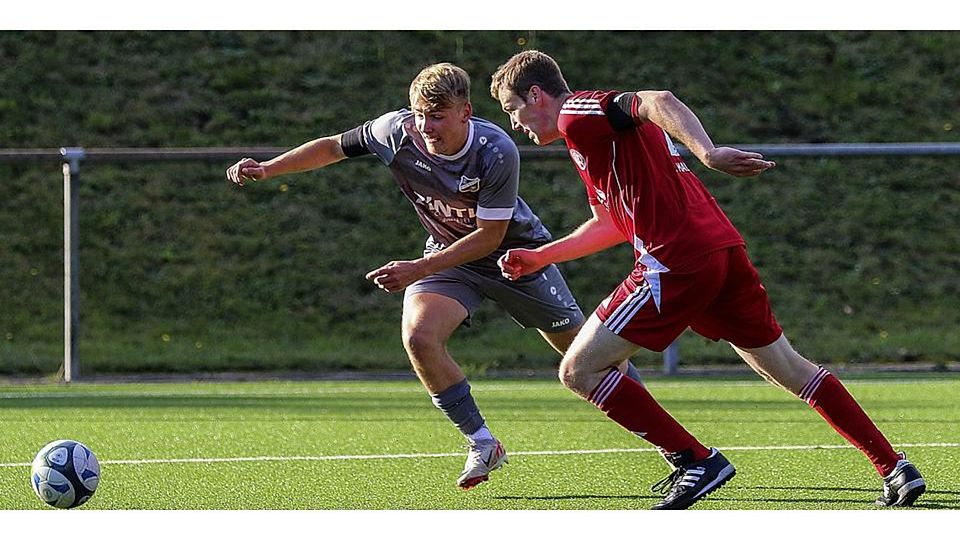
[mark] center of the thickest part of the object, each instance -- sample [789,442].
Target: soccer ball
[65,474]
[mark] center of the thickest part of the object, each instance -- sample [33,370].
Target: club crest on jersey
[469,185]
[579,159]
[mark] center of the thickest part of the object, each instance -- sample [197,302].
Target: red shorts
[719,296]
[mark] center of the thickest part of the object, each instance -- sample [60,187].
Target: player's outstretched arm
[596,234]
[397,275]
[665,110]
[306,157]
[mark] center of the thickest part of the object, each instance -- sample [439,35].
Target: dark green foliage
[182,272]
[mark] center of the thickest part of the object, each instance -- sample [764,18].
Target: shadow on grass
[928,500]
[833,488]
[949,502]
[576,497]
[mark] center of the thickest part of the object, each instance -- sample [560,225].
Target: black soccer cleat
[903,485]
[691,481]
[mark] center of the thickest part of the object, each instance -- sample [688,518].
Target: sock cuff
[458,405]
[451,396]
[606,387]
[808,391]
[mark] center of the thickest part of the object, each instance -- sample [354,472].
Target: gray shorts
[540,300]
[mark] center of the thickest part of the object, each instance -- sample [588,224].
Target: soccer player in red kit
[691,270]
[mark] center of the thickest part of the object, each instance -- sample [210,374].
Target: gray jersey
[449,193]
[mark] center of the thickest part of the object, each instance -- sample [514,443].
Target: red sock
[629,404]
[835,404]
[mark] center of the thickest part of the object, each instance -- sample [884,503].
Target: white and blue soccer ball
[65,474]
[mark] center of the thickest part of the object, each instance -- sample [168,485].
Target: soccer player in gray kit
[461,175]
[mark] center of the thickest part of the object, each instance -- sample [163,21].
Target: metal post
[71,283]
[671,358]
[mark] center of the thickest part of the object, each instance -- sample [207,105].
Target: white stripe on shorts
[631,305]
[616,313]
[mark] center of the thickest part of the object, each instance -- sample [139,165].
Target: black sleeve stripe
[620,112]
[352,143]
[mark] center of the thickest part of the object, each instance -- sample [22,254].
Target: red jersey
[636,173]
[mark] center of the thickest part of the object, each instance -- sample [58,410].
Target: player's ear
[466,112]
[535,95]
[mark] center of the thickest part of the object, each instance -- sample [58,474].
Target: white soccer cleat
[484,456]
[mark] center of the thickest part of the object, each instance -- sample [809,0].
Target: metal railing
[72,157]
[116,155]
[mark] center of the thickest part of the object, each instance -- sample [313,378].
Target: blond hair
[440,86]
[526,69]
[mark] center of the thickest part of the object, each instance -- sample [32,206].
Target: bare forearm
[668,112]
[475,245]
[590,237]
[397,275]
[308,156]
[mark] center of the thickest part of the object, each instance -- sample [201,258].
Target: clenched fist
[246,169]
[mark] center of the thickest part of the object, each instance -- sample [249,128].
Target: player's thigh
[595,346]
[541,300]
[439,303]
[430,318]
[561,341]
[595,350]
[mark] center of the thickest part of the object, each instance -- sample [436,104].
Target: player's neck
[556,103]
[458,144]
[553,106]
[461,140]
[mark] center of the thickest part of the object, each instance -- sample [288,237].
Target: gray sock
[457,403]
[633,373]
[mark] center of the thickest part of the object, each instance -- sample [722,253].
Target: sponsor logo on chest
[444,211]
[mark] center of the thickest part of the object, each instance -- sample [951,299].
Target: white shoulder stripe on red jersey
[581,106]
[571,102]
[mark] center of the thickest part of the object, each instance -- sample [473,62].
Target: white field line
[460,454]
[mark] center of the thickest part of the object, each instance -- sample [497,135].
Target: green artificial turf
[324,445]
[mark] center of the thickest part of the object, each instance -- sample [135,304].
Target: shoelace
[887,490]
[676,478]
[664,485]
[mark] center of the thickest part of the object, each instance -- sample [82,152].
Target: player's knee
[572,375]
[421,344]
